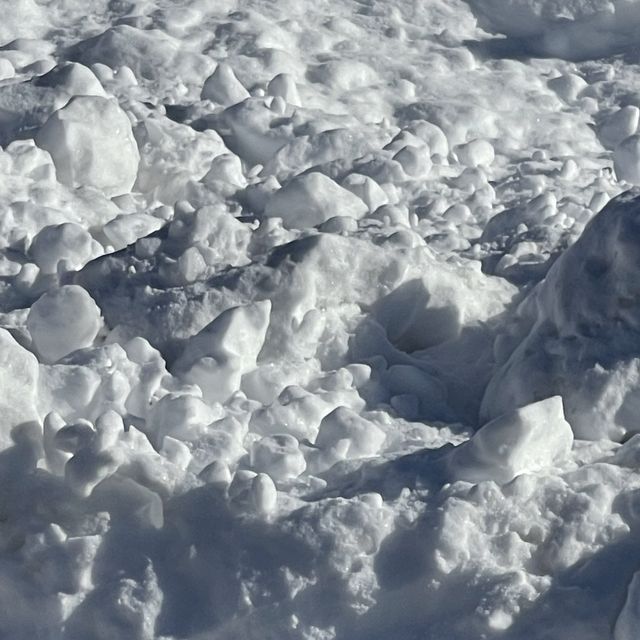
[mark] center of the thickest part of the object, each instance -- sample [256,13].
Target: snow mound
[581,329]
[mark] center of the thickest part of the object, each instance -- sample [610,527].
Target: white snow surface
[319,320]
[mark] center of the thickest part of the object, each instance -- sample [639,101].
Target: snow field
[318,320]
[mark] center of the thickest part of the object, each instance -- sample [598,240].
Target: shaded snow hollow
[319,321]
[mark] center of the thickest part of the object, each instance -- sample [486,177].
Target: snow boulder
[62,321]
[92,144]
[578,333]
[526,440]
[311,199]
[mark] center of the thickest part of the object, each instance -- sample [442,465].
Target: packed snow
[320,320]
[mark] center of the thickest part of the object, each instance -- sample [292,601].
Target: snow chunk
[172,155]
[618,126]
[576,334]
[527,440]
[626,159]
[359,437]
[628,621]
[312,199]
[91,143]
[25,19]
[284,85]
[279,456]
[432,135]
[73,79]
[367,189]
[256,132]
[345,75]
[223,87]
[181,416]
[475,153]
[127,228]
[18,380]
[571,30]
[68,242]
[6,69]
[567,86]
[62,321]
[415,161]
[264,494]
[149,54]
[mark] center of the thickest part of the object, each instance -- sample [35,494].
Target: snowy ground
[319,320]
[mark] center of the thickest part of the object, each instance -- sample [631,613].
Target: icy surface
[319,320]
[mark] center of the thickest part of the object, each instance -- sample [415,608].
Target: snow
[319,321]
[62,321]
[91,143]
[580,331]
[526,440]
[311,199]
[627,160]
[572,30]
[223,87]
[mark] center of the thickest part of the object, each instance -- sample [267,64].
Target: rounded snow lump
[311,199]
[62,321]
[92,144]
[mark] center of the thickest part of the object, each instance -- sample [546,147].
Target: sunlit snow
[320,320]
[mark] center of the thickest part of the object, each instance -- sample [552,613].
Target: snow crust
[319,321]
